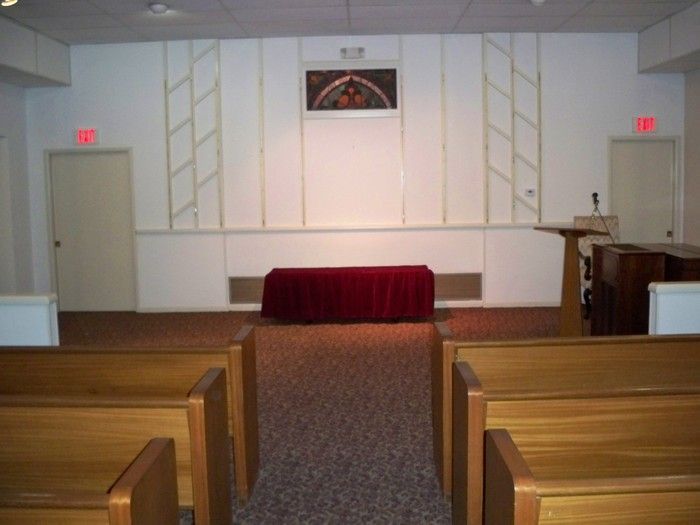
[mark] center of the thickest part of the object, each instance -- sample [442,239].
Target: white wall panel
[353,171]
[181,271]
[654,45]
[463,128]
[523,266]
[444,251]
[422,116]
[685,37]
[327,48]
[283,174]
[240,121]
[52,59]
[17,46]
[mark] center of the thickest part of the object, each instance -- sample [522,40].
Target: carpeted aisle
[345,425]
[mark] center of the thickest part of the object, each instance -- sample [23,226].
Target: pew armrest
[509,486]
[146,493]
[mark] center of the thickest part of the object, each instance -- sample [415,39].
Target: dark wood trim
[448,287]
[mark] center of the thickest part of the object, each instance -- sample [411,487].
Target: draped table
[372,292]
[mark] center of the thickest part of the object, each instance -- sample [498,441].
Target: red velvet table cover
[378,292]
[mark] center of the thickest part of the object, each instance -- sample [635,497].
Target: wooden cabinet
[621,276]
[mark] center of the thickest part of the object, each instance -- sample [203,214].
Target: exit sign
[645,124]
[85,136]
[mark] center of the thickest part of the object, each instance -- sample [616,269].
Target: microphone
[596,202]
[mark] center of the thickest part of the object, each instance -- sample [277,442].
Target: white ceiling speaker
[352,52]
[158,8]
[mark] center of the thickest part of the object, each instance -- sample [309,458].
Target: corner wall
[691,218]
[15,229]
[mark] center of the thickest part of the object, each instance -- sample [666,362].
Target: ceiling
[104,21]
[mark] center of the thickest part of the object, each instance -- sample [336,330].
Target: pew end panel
[509,486]
[144,494]
[442,355]
[244,412]
[468,418]
[210,448]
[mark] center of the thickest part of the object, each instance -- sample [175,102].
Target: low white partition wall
[674,307]
[27,320]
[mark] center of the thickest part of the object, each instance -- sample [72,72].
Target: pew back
[520,368]
[129,372]
[65,431]
[541,369]
[597,460]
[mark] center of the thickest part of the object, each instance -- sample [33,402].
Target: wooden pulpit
[570,322]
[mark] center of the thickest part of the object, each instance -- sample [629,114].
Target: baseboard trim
[522,304]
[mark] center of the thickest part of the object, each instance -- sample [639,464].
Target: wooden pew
[554,367]
[617,460]
[143,493]
[129,371]
[195,419]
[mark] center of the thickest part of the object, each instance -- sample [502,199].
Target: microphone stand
[596,210]
[587,260]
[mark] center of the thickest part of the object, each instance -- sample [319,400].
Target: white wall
[15,232]
[591,91]
[352,191]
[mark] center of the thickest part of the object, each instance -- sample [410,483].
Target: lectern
[570,322]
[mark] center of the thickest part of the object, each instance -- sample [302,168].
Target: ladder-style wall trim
[516,115]
[215,175]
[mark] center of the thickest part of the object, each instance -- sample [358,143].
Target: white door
[93,230]
[642,189]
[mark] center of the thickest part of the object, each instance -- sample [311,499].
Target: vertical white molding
[219,129]
[443,130]
[193,132]
[512,128]
[302,105]
[485,126]
[539,130]
[168,163]
[261,133]
[403,146]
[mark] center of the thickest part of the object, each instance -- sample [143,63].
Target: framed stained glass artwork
[366,92]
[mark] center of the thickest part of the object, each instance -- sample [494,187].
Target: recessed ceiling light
[537,3]
[8,3]
[158,8]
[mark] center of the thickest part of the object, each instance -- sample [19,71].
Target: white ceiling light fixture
[8,3]
[537,3]
[158,8]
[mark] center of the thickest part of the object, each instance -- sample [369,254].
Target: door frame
[676,179]
[50,217]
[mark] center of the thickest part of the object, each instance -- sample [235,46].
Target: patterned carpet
[345,427]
